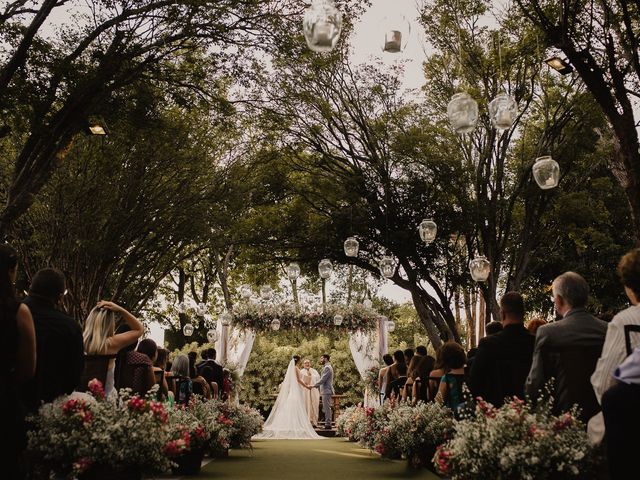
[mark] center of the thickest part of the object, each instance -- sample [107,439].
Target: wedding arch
[367,331]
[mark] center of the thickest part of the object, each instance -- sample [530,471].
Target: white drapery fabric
[237,344]
[364,350]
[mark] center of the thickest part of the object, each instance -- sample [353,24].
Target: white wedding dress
[288,419]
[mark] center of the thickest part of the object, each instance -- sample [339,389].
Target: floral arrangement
[370,380]
[187,434]
[247,422]
[83,432]
[413,432]
[258,317]
[352,422]
[515,441]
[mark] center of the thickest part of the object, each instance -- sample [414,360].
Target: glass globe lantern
[462,111]
[322,24]
[293,271]
[428,230]
[187,329]
[201,309]
[480,268]
[546,172]
[387,266]
[503,111]
[337,320]
[245,292]
[397,30]
[325,268]
[180,307]
[226,318]
[275,324]
[266,292]
[351,247]
[367,304]
[212,336]
[391,326]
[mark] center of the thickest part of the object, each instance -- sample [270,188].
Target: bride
[288,418]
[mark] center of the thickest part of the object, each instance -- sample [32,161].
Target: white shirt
[614,350]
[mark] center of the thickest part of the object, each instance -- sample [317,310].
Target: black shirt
[59,354]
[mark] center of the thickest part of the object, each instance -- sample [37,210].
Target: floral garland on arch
[259,317]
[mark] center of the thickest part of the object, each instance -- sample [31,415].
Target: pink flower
[96,389]
[137,404]
[81,465]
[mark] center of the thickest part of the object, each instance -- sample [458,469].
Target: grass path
[328,459]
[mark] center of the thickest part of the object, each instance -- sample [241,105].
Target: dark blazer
[211,371]
[59,354]
[501,364]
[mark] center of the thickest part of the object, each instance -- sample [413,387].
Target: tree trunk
[483,316]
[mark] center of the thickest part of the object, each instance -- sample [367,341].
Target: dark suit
[501,364]
[211,371]
[568,350]
[59,354]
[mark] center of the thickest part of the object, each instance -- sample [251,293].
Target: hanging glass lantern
[503,111]
[351,247]
[325,268]
[245,292]
[428,230]
[212,335]
[187,329]
[463,113]
[397,30]
[275,324]
[321,25]
[226,318]
[265,292]
[546,172]
[293,271]
[201,309]
[337,320]
[387,266]
[367,304]
[180,307]
[391,326]
[480,268]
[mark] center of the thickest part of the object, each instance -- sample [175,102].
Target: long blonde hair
[98,328]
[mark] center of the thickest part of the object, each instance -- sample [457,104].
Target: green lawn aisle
[329,459]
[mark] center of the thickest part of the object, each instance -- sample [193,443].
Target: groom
[325,384]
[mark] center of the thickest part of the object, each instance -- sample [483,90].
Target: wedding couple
[289,418]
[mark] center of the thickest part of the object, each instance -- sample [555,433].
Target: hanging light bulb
[546,172]
[226,318]
[480,268]
[391,326]
[503,111]
[367,304]
[275,324]
[397,30]
[265,292]
[387,266]
[337,320]
[293,271]
[428,230]
[180,307]
[351,247]
[212,336]
[321,25]
[187,329]
[463,113]
[245,292]
[325,268]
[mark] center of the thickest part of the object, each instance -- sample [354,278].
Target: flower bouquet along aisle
[516,442]
[92,437]
[188,440]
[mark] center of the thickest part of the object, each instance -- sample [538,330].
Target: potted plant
[188,439]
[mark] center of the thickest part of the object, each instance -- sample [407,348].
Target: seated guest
[200,384]
[408,355]
[450,389]
[503,360]
[137,373]
[567,350]
[181,384]
[614,349]
[435,376]
[382,374]
[159,369]
[393,372]
[211,370]
[492,328]
[418,373]
[534,324]
[395,388]
[59,349]
[99,335]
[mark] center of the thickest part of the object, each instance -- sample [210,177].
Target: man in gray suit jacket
[568,349]
[325,384]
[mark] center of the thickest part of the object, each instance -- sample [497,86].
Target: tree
[601,39]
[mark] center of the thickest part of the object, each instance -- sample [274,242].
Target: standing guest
[490,328]
[193,356]
[534,324]
[503,360]
[450,389]
[382,374]
[310,376]
[568,350]
[614,349]
[59,347]
[100,338]
[181,380]
[137,373]
[18,360]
